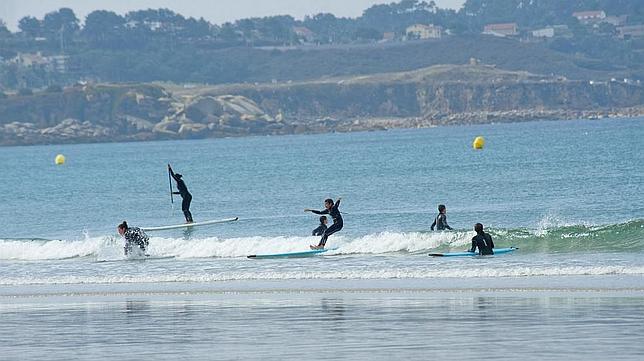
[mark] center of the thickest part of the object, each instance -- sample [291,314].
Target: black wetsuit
[185,195]
[320,230]
[484,243]
[134,236]
[440,222]
[337,222]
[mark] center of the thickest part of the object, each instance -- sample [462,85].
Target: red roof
[506,26]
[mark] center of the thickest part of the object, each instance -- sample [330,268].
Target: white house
[501,30]
[552,31]
[420,31]
[589,17]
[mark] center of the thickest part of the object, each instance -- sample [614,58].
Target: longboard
[302,254]
[189,225]
[147,257]
[470,254]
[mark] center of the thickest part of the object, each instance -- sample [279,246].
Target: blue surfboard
[470,254]
[302,254]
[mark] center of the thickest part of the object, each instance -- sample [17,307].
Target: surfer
[134,236]
[331,209]
[440,222]
[321,228]
[482,241]
[183,192]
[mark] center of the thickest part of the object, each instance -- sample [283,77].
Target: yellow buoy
[60,159]
[478,143]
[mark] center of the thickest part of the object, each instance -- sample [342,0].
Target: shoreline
[372,124]
[541,286]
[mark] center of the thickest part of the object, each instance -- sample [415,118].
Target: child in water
[331,209]
[440,222]
[321,228]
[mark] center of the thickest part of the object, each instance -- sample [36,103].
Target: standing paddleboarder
[183,192]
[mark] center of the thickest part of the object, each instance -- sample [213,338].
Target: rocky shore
[442,95]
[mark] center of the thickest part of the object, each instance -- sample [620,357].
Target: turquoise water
[568,194]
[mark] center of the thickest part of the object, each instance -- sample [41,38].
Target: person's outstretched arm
[326,211]
[433,225]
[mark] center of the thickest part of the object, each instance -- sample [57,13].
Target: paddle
[170,181]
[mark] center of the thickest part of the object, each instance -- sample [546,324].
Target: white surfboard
[189,225]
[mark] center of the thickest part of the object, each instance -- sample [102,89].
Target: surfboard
[189,225]
[470,254]
[309,253]
[146,257]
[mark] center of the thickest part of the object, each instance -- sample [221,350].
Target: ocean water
[569,194]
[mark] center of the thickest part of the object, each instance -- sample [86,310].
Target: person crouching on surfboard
[183,192]
[134,236]
[482,241]
[321,228]
[332,210]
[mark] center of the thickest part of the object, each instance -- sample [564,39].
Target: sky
[215,11]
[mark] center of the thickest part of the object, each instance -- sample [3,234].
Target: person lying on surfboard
[331,209]
[185,195]
[321,228]
[134,236]
[482,241]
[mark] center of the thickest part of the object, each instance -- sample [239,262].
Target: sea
[568,194]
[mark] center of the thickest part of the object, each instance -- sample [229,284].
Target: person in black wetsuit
[134,237]
[185,195]
[440,222]
[321,228]
[332,210]
[482,241]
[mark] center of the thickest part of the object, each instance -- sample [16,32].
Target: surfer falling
[331,209]
[134,237]
[183,192]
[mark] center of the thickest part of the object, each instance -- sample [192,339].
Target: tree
[278,28]
[64,19]
[367,34]
[3,29]
[30,26]
[197,28]
[102,26]
[607,29]
[228,33]
[60,25]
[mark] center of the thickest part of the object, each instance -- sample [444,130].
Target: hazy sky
[215,11]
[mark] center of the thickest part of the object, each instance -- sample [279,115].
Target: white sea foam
[110,248]
[360,274]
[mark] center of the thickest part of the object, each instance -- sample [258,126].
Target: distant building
[30,60]
[589,17]
[559,31]
[501,30]
[56,63]
[389,36]
[631,31]
[304,33]
[615,20]
[420,31]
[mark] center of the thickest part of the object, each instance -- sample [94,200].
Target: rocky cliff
[426,97]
